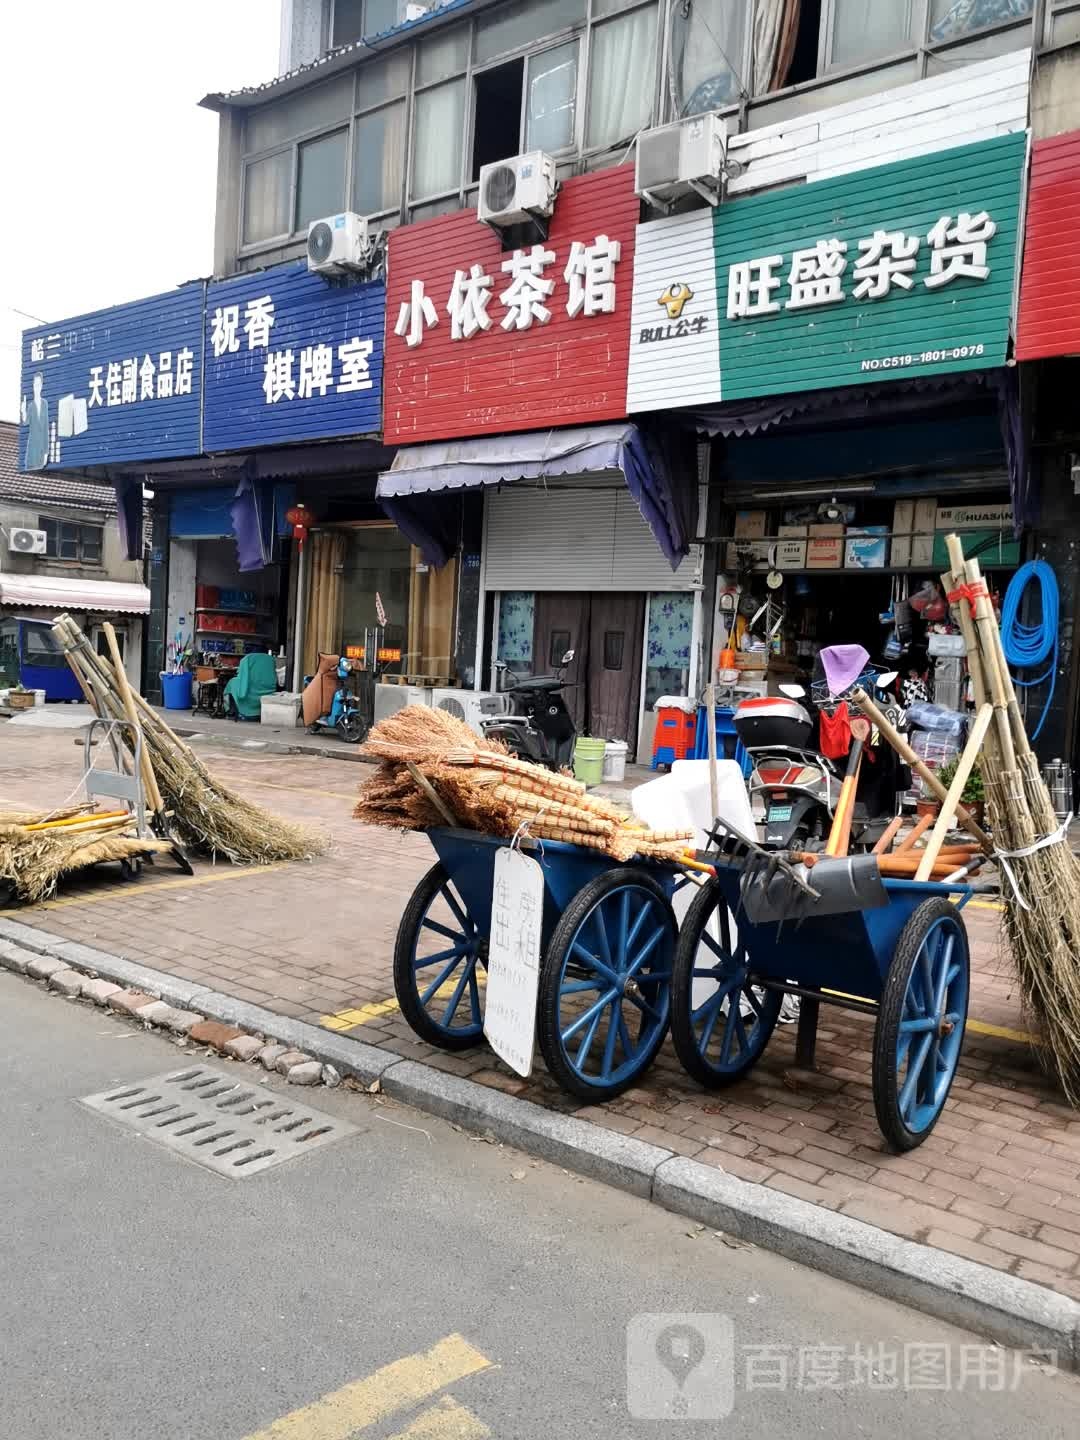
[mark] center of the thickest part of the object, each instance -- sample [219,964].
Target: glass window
[41,648]
[381,80]
[516,612]
[348,21]
[708,45]
[551,90]
[950,19]
[266,197]
[621,78]
[69,542]
[90,544]
[378,156]
[667,671]
[296,114]
[437,139]
[512,26]
[320,181]
[1065,26]
[380,15]
[436,207]
[441,55]
[868,29]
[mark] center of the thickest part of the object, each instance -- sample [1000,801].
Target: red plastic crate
[675,734]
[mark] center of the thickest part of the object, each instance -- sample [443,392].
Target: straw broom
[205,814]
[1042,912]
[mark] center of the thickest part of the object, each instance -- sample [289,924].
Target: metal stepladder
[118,784]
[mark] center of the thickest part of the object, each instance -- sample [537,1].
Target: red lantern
[300,518]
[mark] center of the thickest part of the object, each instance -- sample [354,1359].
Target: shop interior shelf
[232,634]
[226,610]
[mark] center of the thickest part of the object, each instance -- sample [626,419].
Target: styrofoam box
[281,709]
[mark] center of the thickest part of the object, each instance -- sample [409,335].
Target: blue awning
[413,491]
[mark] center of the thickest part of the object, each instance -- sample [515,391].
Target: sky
[107,189]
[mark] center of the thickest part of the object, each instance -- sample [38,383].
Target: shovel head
[843,884]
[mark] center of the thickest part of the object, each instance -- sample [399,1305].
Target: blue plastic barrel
[176,690]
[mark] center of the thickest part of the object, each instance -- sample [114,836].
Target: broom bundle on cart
[1040,875]
[436,771]
[185,800]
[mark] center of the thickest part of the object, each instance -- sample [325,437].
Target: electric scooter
[346,716]
[540,727]
[796,786]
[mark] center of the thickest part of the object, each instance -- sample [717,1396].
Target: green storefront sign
[898,271]
[903,269]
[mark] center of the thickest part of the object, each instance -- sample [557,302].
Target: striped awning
[57,593]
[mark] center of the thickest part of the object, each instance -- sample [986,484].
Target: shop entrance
[605,632]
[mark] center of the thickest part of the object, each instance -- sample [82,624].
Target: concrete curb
[1001,1307]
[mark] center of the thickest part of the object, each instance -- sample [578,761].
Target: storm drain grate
[232,1128]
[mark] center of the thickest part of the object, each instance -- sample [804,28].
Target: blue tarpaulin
[414,491]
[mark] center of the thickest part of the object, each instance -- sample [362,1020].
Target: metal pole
[300,614]
[714,773]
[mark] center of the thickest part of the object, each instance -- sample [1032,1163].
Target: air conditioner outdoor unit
[389,699]
[26,542]
[673,160]
[338,243]
[514,191]
[472,706]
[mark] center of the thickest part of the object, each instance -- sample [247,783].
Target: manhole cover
[232,1128]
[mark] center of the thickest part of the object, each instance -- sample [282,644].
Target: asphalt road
[143,1295]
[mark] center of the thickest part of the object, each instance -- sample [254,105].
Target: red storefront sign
[1049,321]
[480,340]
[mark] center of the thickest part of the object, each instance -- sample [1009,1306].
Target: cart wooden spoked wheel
[608,942]
[907,964]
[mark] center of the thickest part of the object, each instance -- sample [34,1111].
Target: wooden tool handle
[956,789]
[886,840]
[904,750]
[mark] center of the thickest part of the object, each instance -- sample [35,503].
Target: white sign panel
[517,911]
[674,344]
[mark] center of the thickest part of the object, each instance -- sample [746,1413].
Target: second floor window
[67,541]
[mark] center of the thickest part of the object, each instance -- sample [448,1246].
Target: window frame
[55,524]
[343,127]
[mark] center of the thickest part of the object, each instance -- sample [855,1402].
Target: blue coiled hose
[1028,646]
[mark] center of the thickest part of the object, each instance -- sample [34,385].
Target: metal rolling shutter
[587,538]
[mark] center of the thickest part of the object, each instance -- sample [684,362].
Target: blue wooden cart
[608,943]
[906,963]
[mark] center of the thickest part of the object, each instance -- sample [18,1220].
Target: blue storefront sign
[291,356]
[122,384]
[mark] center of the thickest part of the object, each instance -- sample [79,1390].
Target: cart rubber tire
[606,902]
[932,944]
[414,1005]
[692,1025]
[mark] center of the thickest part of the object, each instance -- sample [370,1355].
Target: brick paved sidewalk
[998,1181]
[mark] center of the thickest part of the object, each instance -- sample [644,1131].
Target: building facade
[61,549]
[610,429]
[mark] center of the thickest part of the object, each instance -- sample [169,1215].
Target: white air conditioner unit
[26,542]
[338,243]
[673,160]
[472,706]
[389,699]
[516,190]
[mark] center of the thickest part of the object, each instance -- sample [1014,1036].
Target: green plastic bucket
[589,760]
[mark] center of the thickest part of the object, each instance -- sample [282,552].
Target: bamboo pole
[904,750]
[956,789]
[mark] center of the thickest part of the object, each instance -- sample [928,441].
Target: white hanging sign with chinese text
[513,978]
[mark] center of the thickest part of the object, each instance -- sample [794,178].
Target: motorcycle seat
[540,683]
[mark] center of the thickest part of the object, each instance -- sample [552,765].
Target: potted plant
[19,698]
[973,797]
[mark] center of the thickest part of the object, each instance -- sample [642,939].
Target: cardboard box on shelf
[791,554]
[791,532]
[903,522]
[758,550]
[864,548]
[974,517]
[749,524]
[825,547]
[922,542]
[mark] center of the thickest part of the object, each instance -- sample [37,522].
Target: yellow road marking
[986,904]
[184,882]
[445,1421]
[364,1402]
[346,1019]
